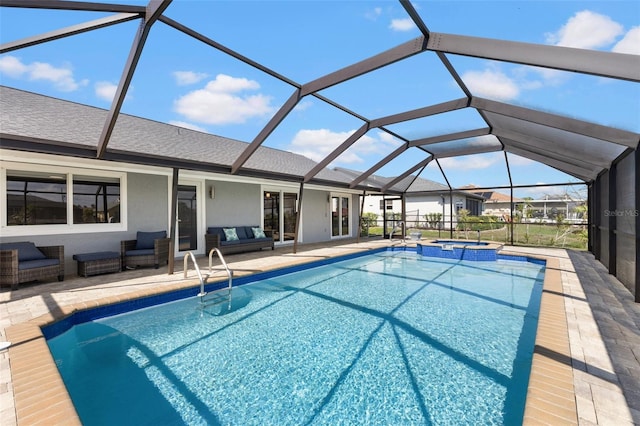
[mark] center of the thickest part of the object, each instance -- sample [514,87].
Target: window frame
[69,227]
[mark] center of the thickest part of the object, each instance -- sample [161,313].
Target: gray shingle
[36,116]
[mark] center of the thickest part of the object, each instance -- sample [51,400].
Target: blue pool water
[393,338]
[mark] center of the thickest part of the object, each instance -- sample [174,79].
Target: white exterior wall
[145,194]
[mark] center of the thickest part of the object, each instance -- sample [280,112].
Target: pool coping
[40,395]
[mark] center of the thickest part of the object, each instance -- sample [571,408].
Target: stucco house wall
[145,203]
[234,203]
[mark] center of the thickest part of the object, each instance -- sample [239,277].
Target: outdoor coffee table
[101,262]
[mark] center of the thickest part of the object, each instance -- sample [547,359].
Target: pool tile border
[41,396]
[551,394]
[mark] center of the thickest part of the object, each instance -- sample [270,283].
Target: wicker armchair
[148,249]
[24,262]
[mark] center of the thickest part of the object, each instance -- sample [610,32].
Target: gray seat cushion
[39,263]
[144,252]
[26,250]
[145,240]
[101,255]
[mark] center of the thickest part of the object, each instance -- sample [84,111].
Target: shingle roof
[37,117]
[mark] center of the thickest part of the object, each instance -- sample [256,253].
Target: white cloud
[316,144]
[406,24]
[388,139]
[61,77]
[219,102]
[12,66]
[516,160]
[586,30]
[303,106]
[188,126]
[105,90]
[478,162]
[492,84]
[537,192]
[184,78]
[630,43]
[373,14]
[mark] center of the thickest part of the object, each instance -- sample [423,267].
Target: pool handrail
[203,279]
[224,264]
[195,266]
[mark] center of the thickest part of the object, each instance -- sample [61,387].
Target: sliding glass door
[190,216]
[187,218]
[340,216]
[279,211]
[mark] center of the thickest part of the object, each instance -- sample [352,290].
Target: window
[459,206]
[60,201]
[36,199]
[473,206]
[96,200]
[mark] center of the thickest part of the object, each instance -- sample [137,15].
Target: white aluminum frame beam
[68,31]
[451,137]
[557,158]
[583,173]
[586,128]
[88,6]
[556,149]
[605,64]
[470,150]
[378,165]
[372,63]
[153,12]
[395,118]
[420,165]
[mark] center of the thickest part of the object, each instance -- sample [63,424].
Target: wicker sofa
[148,249]
[217,236]
[22,262]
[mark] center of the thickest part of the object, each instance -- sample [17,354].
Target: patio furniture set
[22,262]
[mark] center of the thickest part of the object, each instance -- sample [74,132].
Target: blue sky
[182,81]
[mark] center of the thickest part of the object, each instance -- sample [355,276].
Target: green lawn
[565,236]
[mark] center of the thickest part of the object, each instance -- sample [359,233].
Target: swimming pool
[390,338]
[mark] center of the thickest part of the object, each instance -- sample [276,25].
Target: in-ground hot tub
[462,242]
[460,249]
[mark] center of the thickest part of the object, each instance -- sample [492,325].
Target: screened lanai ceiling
[350,91]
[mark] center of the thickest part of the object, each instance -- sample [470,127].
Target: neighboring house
[550,208]
[496,203]
[547,209]
[90,205]
[425,197]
